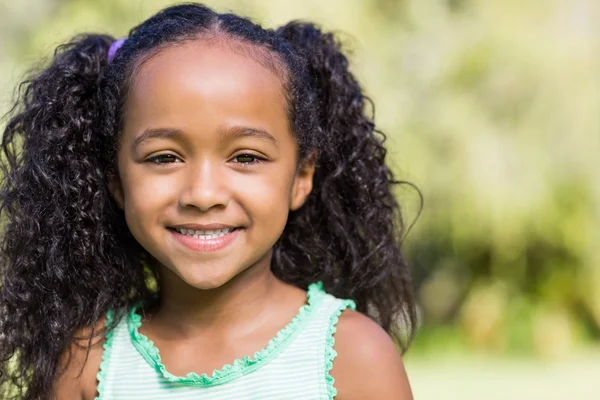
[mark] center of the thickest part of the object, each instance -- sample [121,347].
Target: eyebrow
[241,132]
[156,133]
[176,134]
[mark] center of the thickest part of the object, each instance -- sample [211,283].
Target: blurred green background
[492,108]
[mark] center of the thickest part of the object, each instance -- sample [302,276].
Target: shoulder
[77,369]
[368,364]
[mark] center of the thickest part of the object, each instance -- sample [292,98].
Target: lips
[205,240]
[202,227]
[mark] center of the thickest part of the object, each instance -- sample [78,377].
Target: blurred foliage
[491,108]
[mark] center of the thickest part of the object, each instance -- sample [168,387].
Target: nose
[205,187]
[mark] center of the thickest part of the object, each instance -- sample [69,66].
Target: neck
[187,310]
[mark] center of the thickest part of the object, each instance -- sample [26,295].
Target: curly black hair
[67,255]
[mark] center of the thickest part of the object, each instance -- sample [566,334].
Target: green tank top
[295,364]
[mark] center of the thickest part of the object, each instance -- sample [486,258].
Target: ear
[303,181]
[116,190]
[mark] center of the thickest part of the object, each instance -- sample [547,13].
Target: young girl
[200,211]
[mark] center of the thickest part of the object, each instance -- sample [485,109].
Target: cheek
[266,198]
[145,197]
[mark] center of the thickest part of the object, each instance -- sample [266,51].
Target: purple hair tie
[116,45]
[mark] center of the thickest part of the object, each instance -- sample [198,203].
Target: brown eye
[164,159]
[246,159]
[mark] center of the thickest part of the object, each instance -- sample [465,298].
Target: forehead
[198,77]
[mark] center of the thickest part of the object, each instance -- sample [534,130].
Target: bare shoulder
[77,369]
[368,364]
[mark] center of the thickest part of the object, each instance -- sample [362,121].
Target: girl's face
[207,163]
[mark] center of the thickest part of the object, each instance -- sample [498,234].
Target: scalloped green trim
[106,351]
[330,353]
[243,366]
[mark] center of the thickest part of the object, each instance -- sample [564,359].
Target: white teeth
[212,234]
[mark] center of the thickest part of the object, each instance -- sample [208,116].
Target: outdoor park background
[492,108]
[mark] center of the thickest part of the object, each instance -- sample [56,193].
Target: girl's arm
[76,378]
[368,365]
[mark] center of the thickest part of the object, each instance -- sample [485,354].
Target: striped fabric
[294,365]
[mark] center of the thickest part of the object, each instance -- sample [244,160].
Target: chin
[205,281]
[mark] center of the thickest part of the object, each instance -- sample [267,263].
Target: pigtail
[352,214]
[54,207]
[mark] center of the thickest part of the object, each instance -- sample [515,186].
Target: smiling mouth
[206,240]
[205,234]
